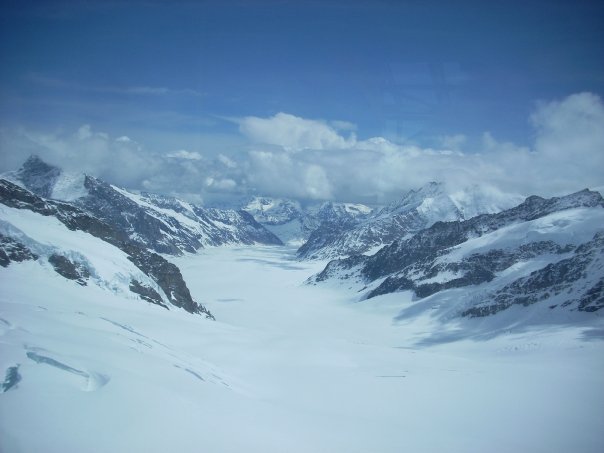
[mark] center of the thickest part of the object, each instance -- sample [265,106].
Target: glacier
[286,367]
[476,334]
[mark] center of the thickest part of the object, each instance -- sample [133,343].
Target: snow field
[287,367]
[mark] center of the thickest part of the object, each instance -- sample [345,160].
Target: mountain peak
[49,181]
[38,176]
[35,161]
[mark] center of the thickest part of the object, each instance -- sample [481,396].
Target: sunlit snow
[286,368]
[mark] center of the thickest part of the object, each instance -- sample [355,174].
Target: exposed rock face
[11,379]
[323,237]
[168,225]
[167,276]
[12,250]
[472,270]
[164,273]
[580,277]
[38,176]
[341,269]
[147,293]
[450,255]
[68,269]
[128,216]
[443,235]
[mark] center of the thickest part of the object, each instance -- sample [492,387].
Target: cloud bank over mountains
[304,158]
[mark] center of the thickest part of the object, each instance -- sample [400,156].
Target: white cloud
[278,172]
[571,128]
[567,155]
[121,161]
[293,133]
[343,125]
[226,161]
[301,158]
[224,184]
[84,132]
[184,154]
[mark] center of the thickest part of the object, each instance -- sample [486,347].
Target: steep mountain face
[541,250]
[163,224]
[293,223]
[417,210]
[576,281]
[38,176]
[82,248]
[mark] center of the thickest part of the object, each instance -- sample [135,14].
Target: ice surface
[286,368]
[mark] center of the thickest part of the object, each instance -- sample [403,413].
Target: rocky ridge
[415,211]
[163,273]
[467,254]
[162,224]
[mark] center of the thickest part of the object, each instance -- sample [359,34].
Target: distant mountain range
[95,233]
[416,210]
[293,222]
[162,224]
[548,252]
[332,230]
[470,253]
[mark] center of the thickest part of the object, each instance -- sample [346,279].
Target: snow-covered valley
[287,367]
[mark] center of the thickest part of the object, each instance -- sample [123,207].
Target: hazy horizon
[345,101]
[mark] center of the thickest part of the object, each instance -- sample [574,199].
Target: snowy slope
[82,248]
[290,367]
[86,366]
[469,336]
[546,252]
[416,210]
[108,267]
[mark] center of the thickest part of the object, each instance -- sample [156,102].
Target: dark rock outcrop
[475,269]
[163,232]
[147,293]
[12,250]
[563,277]
[38,176]
[11,379]
[69,269]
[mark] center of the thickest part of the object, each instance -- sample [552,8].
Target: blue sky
[181,76]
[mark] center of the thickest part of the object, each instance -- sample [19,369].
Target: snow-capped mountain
[294,222]
[546,251]
[160,223]
[416,210]
[273,211]
[90,323]
[64,239]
